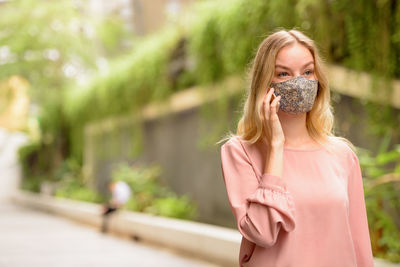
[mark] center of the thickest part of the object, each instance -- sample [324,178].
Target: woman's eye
[308,72]
[282,74]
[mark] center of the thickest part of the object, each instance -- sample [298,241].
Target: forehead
[294,55]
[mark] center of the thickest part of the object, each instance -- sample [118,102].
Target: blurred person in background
[120,194]
[294,187]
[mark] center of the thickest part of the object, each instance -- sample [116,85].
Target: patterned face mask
[297,94]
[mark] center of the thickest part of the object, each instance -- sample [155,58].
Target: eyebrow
[284,67]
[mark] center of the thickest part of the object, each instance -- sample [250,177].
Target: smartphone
[273,96]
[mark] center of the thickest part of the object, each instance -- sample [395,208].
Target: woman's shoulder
[232,148]
[342,146]
[232,139]
[238,144]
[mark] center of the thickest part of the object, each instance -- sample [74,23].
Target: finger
[274,105]
[275,102]
[268,95]
[267,99]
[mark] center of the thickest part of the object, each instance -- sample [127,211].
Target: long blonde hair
[319,120]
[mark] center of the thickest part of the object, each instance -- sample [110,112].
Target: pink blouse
[314,216]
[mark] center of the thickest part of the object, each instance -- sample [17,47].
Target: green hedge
[132,81]
[150,195]
[381,174]
[221,38]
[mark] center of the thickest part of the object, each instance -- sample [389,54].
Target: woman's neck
[295,130]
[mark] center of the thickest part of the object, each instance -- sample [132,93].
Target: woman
[295,189]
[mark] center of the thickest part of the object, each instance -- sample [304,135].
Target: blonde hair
[319,120]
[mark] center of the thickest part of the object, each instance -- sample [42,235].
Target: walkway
[35,239]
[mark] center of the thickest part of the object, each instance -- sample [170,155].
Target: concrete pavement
[30,238]
[35,239]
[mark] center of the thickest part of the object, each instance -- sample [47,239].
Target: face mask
[297,94]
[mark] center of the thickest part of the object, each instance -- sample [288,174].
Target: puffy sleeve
[358,215]
[262,206]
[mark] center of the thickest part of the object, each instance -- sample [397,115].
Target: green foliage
[32,183]
[52,44]
[134,80]
[69,183]
[222,41]
[110,32]
[382,187]
[383,119]
[69,169]
[173,206]
[36,168]
[73,189]
[35,159]
[149,195]
[66,179]
[39,41]
[205,46]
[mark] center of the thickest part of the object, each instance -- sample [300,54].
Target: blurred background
[93,91]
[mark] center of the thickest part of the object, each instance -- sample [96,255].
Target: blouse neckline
[303,150]
[298,149]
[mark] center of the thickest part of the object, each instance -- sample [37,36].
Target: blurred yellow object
[14,103]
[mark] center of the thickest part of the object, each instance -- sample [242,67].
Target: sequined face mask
[297,94]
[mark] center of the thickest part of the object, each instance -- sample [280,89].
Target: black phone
[273,96]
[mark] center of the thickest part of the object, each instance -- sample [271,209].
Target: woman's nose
[296,74]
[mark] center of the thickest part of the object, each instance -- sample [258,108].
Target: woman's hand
[271,123]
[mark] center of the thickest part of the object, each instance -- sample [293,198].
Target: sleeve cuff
[279,201]
[273,182]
